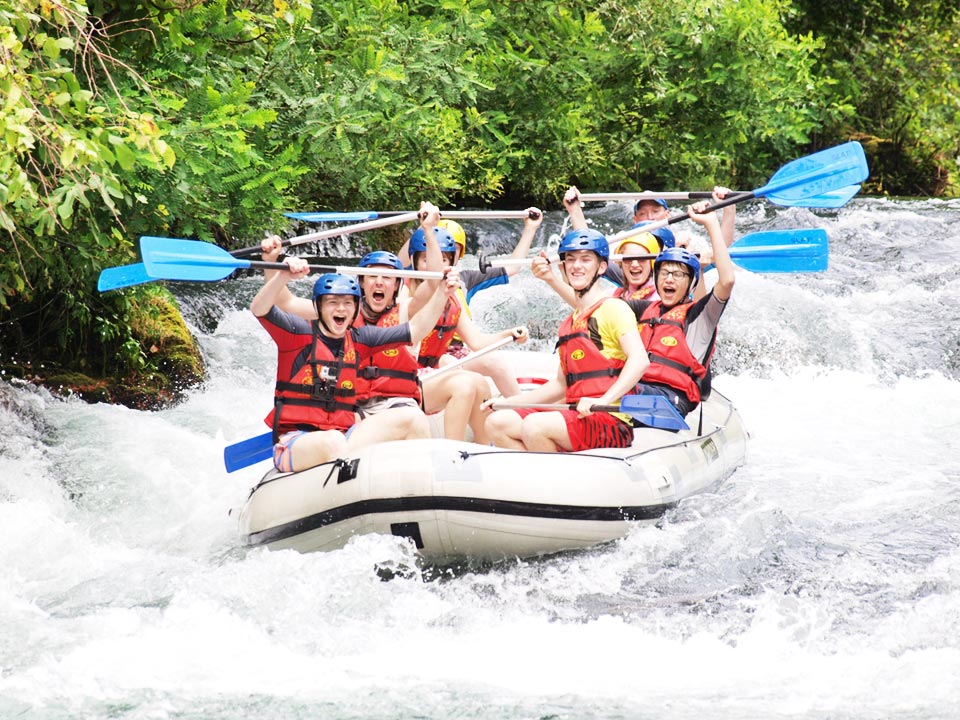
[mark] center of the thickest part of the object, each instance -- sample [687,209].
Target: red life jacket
[641,293]
[671,362]
[388,373]
[318,392]
[434,346]
[588,373]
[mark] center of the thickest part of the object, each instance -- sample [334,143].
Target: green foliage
[899,64]
[210,118]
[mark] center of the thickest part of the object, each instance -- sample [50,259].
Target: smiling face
[581,268]
[636,272]
[673,283]
[337,313]
[379,291]
[650,211]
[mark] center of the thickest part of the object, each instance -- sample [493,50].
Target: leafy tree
[897,63]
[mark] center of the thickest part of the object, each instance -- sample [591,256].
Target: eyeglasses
[674,274]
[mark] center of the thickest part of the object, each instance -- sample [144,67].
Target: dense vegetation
[207,119]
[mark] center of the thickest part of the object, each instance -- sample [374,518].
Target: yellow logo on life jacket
[577,355]
[668,341]
[346,385]
[307,376]
[392,352]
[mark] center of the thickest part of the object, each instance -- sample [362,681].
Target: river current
[821,580]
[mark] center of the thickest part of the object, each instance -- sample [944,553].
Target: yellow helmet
[459,236]
[646,240]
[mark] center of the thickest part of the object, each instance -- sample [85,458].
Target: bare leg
[316,448]
[546,432]
[505,428]
[401,423]
[497,365]
[456,394]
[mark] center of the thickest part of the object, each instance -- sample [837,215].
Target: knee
[503,423]
[418,426]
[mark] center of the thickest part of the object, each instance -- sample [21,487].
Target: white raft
[462,501]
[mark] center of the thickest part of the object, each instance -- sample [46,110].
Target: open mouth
[378,296]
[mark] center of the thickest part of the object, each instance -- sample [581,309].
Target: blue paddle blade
[316,217]
[820,173]
[786,251]
[654,411]
[829,200]
[248,452]
[123,276]
[173,259]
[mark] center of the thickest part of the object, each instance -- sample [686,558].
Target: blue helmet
[587,239]
[664,235]
[682,256]
[418,243]
[381,257]
[335,284]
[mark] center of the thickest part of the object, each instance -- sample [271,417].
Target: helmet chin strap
[584,291]
[371,315]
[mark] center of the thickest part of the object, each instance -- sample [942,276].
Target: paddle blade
[316,217]
[653,411]
[819,173]
[123,276]
[172,259]
[830,200]
[786,251]
[248,452]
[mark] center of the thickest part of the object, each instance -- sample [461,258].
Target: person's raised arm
[530,226]
[541,269]
[270,249]
[274,285]
[429,217]
[728,218]
[425,319]
[571,201]
[475,338]
[726,275]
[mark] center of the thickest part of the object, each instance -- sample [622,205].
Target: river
[822,580]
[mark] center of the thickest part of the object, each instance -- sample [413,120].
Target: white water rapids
[822,580]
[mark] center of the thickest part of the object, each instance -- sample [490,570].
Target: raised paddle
[785,251]
[137,273]
[651,410]
[446,214]
[192,260]
[833,199]
[817,174]
[253,450]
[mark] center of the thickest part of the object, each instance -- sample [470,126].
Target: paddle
[367,214]
[253,450]
[651,410]
[192,260]
[137,273]
[833,199]
[822,172]
[785,251]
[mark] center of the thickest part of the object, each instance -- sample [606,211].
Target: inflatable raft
[461,501]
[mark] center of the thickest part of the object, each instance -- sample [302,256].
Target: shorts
[376,405]
[598,430]
[283,448]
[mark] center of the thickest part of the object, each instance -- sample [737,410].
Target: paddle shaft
[335,232]
[740,249]
[353,270]
[462,361]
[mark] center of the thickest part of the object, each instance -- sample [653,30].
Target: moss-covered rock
[168,360]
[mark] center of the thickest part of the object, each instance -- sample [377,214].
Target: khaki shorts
[377,405]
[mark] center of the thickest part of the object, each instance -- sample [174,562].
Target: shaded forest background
[208,119]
